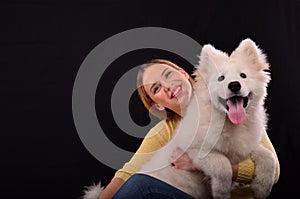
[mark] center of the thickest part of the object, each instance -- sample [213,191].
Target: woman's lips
[176,92]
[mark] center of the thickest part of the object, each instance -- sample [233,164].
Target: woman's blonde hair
[146,99]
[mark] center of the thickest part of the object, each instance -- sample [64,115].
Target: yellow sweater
[160,134]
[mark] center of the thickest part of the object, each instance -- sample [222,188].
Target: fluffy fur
[93,191]
[223,125]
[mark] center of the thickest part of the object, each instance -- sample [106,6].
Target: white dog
[232,119]
[223,125]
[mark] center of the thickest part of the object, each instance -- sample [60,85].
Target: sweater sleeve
[247,167]
[156,138]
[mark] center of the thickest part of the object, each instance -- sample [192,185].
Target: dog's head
[236,82]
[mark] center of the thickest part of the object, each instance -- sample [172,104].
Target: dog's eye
[221,78]
[243,75]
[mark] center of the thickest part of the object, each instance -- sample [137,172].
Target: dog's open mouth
[238,100]
[236,108]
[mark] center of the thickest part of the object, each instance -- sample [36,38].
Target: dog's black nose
[234,86]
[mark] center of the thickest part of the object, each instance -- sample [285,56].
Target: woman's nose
[166,85]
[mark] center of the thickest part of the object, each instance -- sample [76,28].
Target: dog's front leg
[265,168]
[218,168]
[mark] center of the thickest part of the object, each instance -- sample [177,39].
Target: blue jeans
[141,186]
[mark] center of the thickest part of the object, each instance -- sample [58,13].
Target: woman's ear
[184,73]
[159,107]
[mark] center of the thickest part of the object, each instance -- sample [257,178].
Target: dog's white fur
[93,191]
[212,141]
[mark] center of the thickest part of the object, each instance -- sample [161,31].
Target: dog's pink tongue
[236,111]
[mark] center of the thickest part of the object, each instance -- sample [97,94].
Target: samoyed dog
[222,126]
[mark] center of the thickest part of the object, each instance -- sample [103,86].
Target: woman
[164,87]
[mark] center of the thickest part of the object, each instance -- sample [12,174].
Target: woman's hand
[181,160]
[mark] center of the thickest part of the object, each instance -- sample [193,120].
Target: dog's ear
[210,59]
[249,51]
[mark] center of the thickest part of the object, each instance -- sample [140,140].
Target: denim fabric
[140,186]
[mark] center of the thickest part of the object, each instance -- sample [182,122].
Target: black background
[43,44]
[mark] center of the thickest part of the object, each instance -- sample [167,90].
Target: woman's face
[168,86]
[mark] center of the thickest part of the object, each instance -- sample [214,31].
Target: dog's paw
[259,192]
[93,191]
[261,187]
[219,169]
[263,181]
[264,173]
[221,189]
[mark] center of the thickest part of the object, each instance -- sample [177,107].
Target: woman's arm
[111,188]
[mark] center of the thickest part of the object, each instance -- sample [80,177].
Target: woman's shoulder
[165,127]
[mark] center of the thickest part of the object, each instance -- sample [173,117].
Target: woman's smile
[176,92]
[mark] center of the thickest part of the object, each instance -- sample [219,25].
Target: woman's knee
[135,187]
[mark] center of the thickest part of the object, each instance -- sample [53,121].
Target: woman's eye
[243,75]
[168,74]
[221,78]
[155,89]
